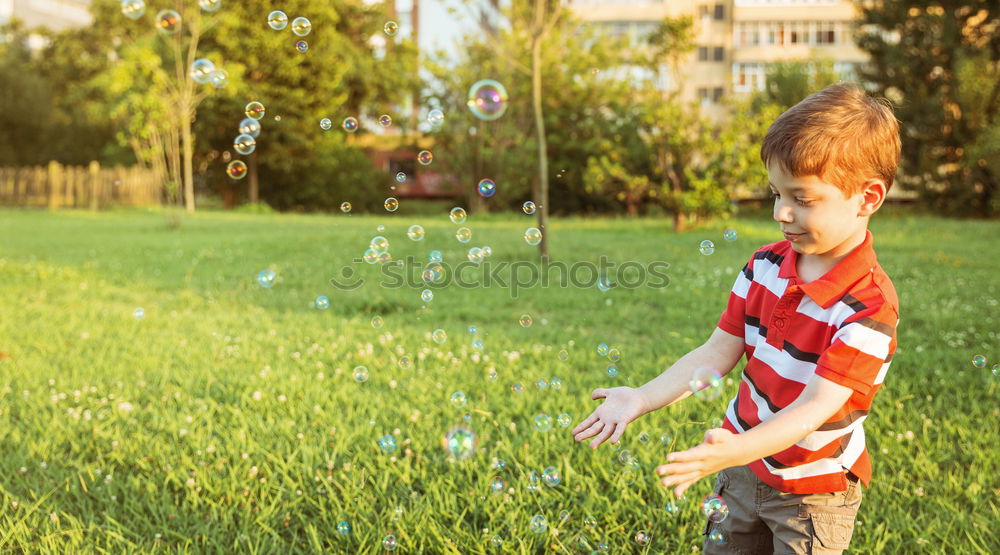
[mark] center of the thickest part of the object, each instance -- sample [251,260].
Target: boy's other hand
[721,449]
[621,405]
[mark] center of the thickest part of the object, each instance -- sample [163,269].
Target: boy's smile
[815,217]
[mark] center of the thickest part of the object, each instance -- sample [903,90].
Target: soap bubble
[604,285]
[714,508]
[614,355]
[379,243]
[277,20]
[400,177]
[551,477]
[528,207]
[556,384]
[564,355]
[612,371]
[435,117]
[517,387]
[244,144]
[589,521]
[538,524]
[487,188]
[250,126]
[201,71]
[487,99]
[168,22]
[371,256]
[497,485]
[350,124]
[460,442]
[707,247]
[457,215]
[458,399]
[496,541]
[439,336]
[564,420]
[133,9]
[391,28]
[254,110]
[389,543]
[301,26]
[979,361]
[391,204]
[343,528]
[642,538]
[210,5]
[377,322]
[525,320]
[532,236]
[463,234]
[643,437]
[996,370]
[717,537]
[665,438]
[266,278]
[302,46]
[541,384]
[602,349]
[387,443]
[672,508]
[139,313]
[322,302]
[543,422]
[385,120]
[415,232]
[729,234]
[475,255]
[345,207]
[237,169]
[433,272]
[427,295]
[325,124]
[219,78]
[425,157]
[706,383]
[360,374]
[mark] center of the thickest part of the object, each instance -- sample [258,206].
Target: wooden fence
[57,186]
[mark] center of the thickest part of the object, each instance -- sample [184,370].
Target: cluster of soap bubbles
[301,27]
[246,141]
[979,361]
[204,72]
[707,247]
[460,442]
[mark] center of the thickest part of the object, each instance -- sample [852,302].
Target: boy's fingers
[607,431]
[680,479]
[692,454]
[585,424]
[679,490]
[619,430]
[599,393]
[591,431]
[677,469]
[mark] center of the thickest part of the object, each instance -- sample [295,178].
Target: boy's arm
[622,405]
[820,400]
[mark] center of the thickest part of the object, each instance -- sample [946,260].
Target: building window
[748,76]
[703,11]
[720,12]
[716,94]
[702,53]
[703,95]
[797,34]
[718,54]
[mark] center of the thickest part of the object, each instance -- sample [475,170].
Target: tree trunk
[188,147]
[254,182]
[541,185]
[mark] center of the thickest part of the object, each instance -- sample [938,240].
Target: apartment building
[736,39]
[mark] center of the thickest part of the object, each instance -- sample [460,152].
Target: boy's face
[816,218]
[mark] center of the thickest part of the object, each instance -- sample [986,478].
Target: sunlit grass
[227,418]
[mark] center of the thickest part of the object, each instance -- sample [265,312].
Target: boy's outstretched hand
[721,449]
[621,405]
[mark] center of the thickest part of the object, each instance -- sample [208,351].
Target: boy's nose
[782,214]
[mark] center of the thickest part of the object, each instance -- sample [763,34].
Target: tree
[26,112]
[940,64]
[787,83]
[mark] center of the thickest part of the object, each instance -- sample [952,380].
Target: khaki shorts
[765,520]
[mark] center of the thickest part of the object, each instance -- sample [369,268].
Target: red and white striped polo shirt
[842,327]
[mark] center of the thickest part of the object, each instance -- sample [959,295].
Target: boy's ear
[872,196]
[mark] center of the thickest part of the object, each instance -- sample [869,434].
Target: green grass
[223,375]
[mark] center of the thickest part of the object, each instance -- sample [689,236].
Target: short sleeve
[733,318]
[859,352]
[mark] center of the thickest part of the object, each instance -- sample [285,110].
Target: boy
[815,316]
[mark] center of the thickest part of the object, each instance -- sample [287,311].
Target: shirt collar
[836,282]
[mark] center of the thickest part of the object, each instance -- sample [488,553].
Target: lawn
[227,418]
